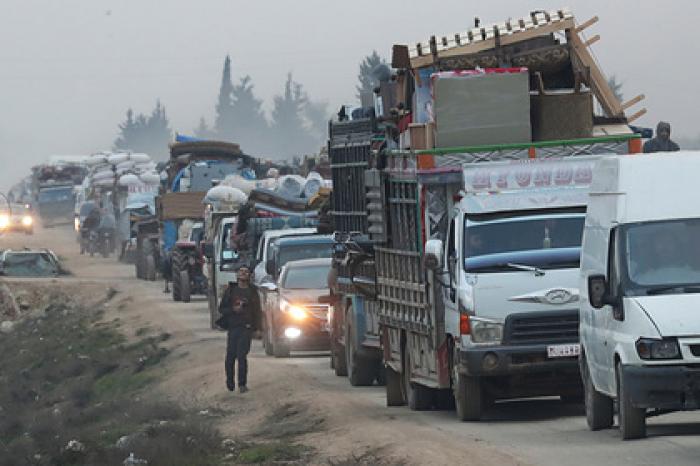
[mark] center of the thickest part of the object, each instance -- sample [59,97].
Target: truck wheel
[360,372]
[394,393]
[633,422]
[468,395]
[185,286]
[150,268]
[418,397]
[599,408]
[175,266]
[340,365]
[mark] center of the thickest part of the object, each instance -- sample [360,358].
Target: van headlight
[4,221]
[27,220]
[486,331]
[648,348]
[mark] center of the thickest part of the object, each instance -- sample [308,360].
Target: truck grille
[542,327]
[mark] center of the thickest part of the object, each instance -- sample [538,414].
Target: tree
[367,82]
[250,126]
[317,116]
[150,134]
[203,131]
[616,87]
[224,123]
[290,132]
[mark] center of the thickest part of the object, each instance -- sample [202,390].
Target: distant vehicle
[56,204]
[299,321]
[29,263]
[19,219]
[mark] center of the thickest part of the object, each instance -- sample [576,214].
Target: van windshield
[290,253]
[504,244]
[661,256]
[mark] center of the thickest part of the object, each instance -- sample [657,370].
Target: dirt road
[300,397]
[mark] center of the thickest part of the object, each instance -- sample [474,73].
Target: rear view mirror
[597,291]
[433,254]
[209,250]
[270,267]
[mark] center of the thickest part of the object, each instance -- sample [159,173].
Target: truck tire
[177,264]
[148,259]
[185,286]
[468,395]
[150,268]
[340,366]
[599,408]
[361,373]
[394,392]
[139,265]
[418,397]
[633,422]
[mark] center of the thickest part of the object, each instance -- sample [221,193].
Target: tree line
[296,126]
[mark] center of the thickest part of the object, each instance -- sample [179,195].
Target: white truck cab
[640,287]
[510,281]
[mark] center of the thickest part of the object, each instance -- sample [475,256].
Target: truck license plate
[563,351]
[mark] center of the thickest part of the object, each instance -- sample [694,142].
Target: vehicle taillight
[464,324]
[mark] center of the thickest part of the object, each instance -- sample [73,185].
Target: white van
[640,290]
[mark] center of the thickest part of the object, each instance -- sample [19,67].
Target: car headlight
[295,312]
[4,221]
[667,348]
[27,221]
[485,331]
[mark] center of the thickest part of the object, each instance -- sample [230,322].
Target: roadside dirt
[287,406]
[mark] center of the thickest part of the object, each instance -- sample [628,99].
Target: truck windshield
[661,257]
[514,243]
[56,195]
[313,277]
[304,251]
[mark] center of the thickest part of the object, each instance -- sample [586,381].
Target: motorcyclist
[89,223]
[108,224]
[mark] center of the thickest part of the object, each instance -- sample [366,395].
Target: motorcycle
[105,242]
[93,239]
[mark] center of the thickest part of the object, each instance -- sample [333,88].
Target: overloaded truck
[53,187]
[459,218]
[166,241]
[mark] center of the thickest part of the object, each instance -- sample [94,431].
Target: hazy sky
[69,69]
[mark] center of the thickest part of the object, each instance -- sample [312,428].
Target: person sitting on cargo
[662,142]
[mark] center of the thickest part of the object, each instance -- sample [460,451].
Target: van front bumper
[663,387]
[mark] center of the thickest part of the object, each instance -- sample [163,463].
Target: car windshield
[306,277]
[659,255]
[290,253]
[55,194]
[28,264]
[542,241]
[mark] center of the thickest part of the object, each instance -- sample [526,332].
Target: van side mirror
[433,254]
[270,267]
[598,291]
[208,250]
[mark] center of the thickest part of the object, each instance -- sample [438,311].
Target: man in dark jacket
[662,142]
[241,316]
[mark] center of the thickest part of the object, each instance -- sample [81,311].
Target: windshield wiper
[665,289]
[527,268]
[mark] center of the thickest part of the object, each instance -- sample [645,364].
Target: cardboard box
[421,136]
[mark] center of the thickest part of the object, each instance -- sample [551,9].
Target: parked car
[299,321]
[29,263]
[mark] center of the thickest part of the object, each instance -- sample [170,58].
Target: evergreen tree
[616,87]
[150,134]
[367,82]
[202,131]
[289,130]
[224,123]
[250,128]
[317,116]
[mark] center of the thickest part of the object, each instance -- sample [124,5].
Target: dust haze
[71,69]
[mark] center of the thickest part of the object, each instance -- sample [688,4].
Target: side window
[451,247]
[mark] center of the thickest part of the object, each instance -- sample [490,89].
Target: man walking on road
[240,315]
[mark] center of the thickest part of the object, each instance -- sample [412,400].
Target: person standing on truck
[240,316]
[662,142]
